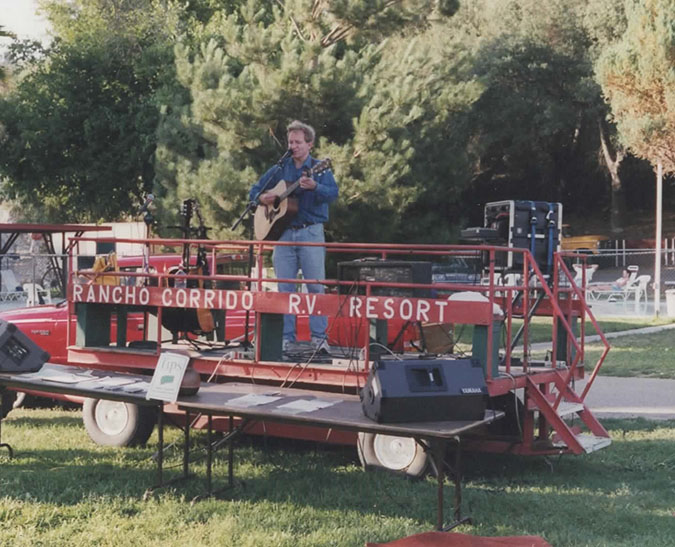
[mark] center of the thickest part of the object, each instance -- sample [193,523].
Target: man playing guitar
[314,195]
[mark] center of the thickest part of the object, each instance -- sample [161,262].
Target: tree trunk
[617,199]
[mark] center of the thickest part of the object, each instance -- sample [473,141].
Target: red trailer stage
[384,302]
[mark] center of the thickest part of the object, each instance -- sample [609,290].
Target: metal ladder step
[566,408]
[589,442]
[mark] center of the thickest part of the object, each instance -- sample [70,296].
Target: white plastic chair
[595,291]
[579,271]
[579,277]
[638,288]
[9,286]
[36,294]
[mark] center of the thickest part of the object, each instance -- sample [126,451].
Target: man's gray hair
[308,130]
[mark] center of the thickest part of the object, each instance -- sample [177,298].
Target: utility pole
[657,258]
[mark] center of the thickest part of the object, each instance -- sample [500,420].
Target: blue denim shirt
[312,204]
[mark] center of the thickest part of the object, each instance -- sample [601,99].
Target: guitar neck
[289,190]
[318,168]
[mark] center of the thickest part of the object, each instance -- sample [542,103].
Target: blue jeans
[288,261]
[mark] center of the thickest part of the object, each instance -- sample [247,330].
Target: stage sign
[426,310]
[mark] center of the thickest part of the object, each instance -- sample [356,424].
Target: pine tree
[638,77]
[327,63]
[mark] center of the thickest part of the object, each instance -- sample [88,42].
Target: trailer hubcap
[112,417]
[396,453]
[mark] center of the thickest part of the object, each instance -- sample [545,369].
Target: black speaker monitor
[425,390]
[18,353]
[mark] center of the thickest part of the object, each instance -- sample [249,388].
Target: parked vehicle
[587,243]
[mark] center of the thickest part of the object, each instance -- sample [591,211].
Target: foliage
[4,34]
[260,68]
[409,164]
[534,128]
[428,108]
[638,77]
[70,146]
[80,125]
[60,489]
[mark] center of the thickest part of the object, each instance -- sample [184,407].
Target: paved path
[643,330]
[612,397]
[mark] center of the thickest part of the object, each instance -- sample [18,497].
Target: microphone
[148,200]
[286,155]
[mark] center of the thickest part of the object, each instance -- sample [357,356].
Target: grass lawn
[638,355]
[61,489]
[541,328]
[644,355]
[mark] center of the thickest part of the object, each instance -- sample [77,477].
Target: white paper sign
[168,376]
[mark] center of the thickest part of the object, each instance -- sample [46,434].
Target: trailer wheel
[8,398]
[113,423]
[401,455]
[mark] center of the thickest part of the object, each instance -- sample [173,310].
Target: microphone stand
[248,212]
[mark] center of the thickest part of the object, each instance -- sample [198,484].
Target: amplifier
[425,390]
[386,271]
[18,353]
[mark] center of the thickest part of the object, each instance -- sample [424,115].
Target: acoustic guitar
[195,320]
[270,221]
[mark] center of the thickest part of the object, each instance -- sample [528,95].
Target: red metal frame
[546,385]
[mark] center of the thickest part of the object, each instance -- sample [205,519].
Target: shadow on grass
[72,420]
[69,476]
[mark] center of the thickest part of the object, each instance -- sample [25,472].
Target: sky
[21,18]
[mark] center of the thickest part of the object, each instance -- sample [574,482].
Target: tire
[8,398]
[401,455]
[50,279]
[113,423]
